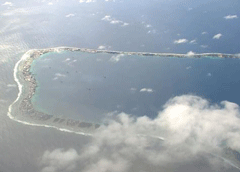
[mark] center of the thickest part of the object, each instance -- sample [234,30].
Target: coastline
[21,110]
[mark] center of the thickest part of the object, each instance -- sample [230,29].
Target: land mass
[22,109]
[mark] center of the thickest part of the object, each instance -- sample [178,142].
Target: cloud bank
[59,160]
[191,126]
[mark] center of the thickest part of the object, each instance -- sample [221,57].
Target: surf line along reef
[22,109]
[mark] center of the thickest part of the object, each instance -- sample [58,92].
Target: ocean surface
[153,26]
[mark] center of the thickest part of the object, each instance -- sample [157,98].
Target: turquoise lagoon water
[89,86]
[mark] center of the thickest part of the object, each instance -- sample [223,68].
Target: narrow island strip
[22,110]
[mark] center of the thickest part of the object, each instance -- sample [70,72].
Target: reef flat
[22,109]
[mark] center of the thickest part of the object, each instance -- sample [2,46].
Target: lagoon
[92,86]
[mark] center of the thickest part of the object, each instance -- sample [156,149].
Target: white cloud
[106,18]
[115,21]
[125,24]
[194,41]
[70,15]
[111,20]
[8,4]
[148,90]
[231,17]
[218,36]
[152,31]
[113,165]
[116,58]
[190,53]
[59,160]
[86,1]
[148,25]
[204,33]
[190,126]
[180,41]
[50,3]
[189,67]
[102,47]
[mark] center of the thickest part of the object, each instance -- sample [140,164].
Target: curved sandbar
[22,110]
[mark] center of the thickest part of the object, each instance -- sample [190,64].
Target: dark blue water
[91,85]
[169,20]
